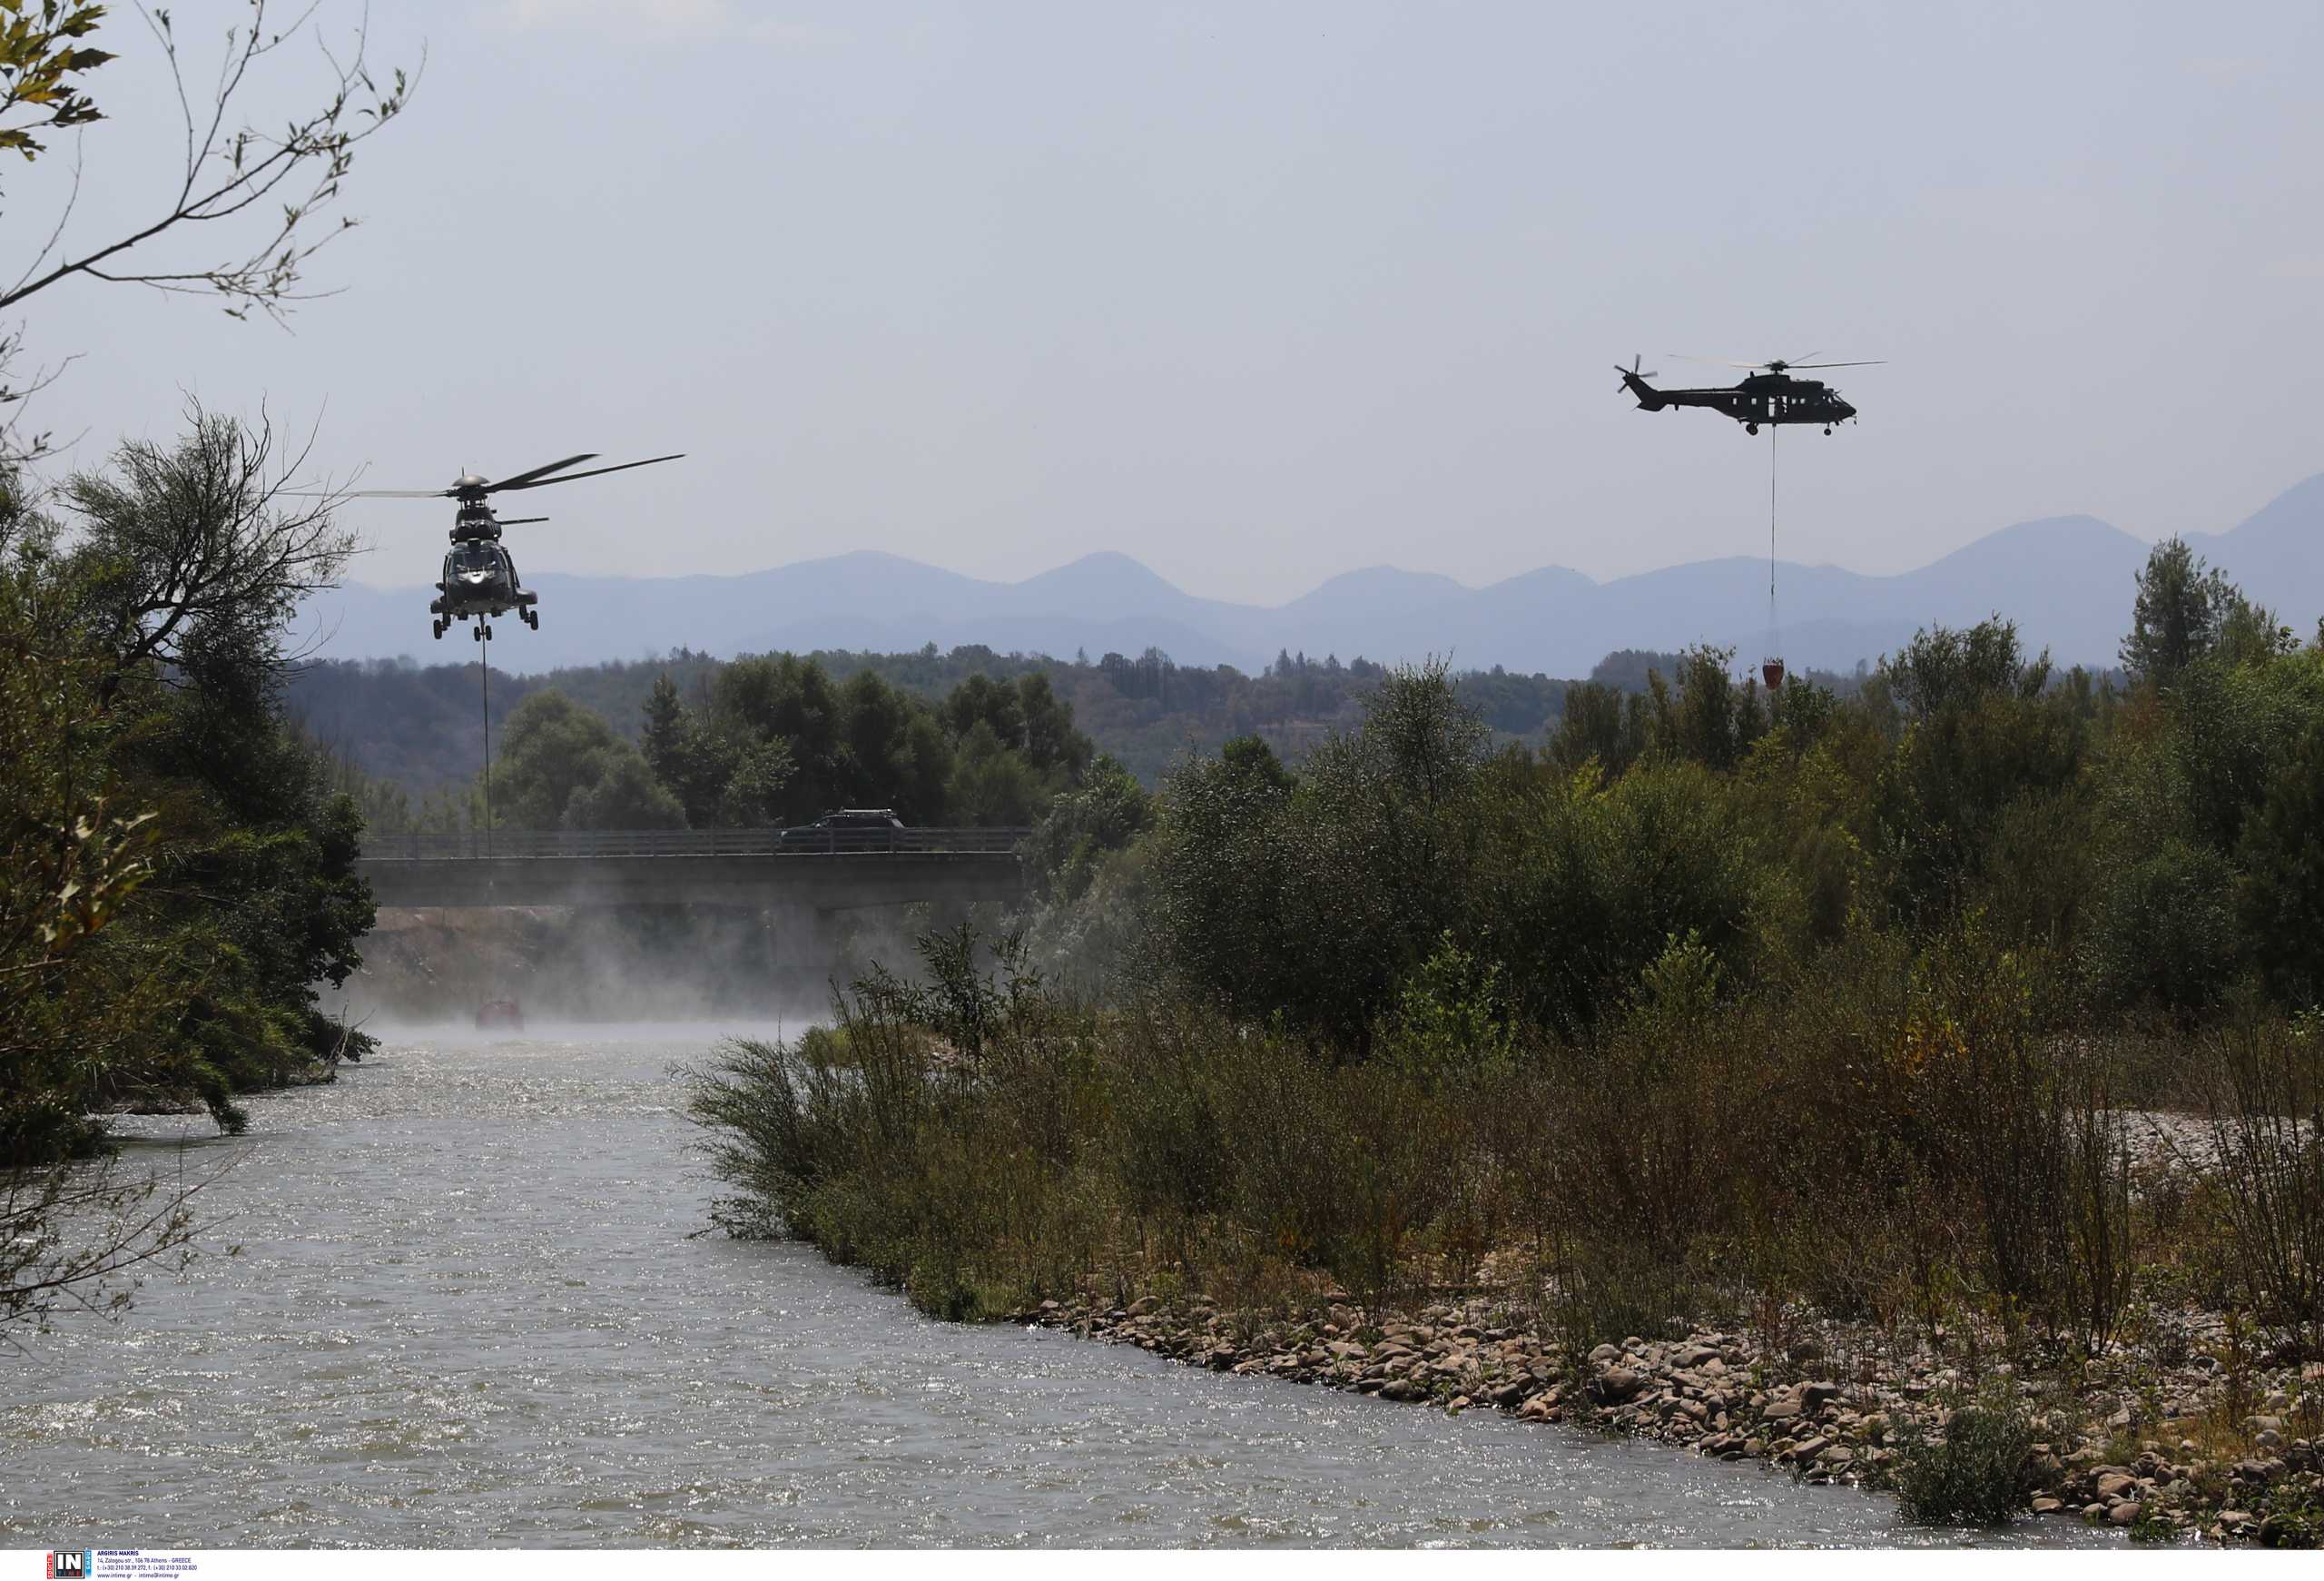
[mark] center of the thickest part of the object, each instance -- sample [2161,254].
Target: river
[472,1306]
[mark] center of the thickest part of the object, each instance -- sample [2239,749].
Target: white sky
[1259,294]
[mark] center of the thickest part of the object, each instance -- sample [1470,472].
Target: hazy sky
[1262,293]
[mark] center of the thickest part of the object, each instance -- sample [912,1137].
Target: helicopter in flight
[1767,394]
[480,576]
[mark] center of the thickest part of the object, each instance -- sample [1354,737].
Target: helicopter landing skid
[482,630]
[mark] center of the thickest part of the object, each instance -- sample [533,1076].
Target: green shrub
[2290,1517]
[2165,930]
[1452,1020]
[2282,852]
[1607,1291]
[1973,1475]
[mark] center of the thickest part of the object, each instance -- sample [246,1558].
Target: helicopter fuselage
[478,582]
[1763,398]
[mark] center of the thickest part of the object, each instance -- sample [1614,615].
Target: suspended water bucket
[1771,672]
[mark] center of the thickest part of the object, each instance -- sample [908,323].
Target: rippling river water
[471,1309]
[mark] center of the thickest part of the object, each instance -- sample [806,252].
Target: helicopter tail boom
[1649,397]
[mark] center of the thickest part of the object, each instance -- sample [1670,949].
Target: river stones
[1781,1408]
[1739,1395]
[1615,1385]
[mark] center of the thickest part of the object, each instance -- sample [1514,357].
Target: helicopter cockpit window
[473,557]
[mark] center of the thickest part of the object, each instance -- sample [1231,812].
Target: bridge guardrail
[477,843]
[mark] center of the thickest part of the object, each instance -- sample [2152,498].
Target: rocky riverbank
[2159,1455]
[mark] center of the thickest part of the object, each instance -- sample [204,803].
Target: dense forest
[765,741]
[414,734]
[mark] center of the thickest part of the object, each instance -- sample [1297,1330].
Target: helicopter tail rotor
[1635,381]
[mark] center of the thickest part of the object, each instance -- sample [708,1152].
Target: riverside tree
[174,873]
[781,741]
[2183,606]
[561,766]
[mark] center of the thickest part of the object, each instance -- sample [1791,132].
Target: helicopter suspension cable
[1773,633]
[484,663]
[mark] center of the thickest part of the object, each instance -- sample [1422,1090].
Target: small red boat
[499,1015]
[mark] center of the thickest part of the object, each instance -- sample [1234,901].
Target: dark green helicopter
[1770,394]
[480,576]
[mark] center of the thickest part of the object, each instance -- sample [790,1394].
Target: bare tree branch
[230,171]
[222,178]
[82,1236]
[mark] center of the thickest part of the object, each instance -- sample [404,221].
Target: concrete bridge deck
[824,870]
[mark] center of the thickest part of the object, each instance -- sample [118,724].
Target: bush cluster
[1820,999]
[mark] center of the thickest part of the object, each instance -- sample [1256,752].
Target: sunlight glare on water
[474,1307]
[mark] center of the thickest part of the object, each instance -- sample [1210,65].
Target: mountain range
[2065,580]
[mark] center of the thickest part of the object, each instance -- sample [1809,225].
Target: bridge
[818,869]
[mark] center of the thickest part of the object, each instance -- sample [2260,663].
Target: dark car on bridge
[847,829]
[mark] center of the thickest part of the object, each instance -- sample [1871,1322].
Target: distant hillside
[2065,581]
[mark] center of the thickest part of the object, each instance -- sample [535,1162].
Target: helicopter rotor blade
[592,473]
[366,493]
[523,479]
[519,520]
[1784,363]
[535,479]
